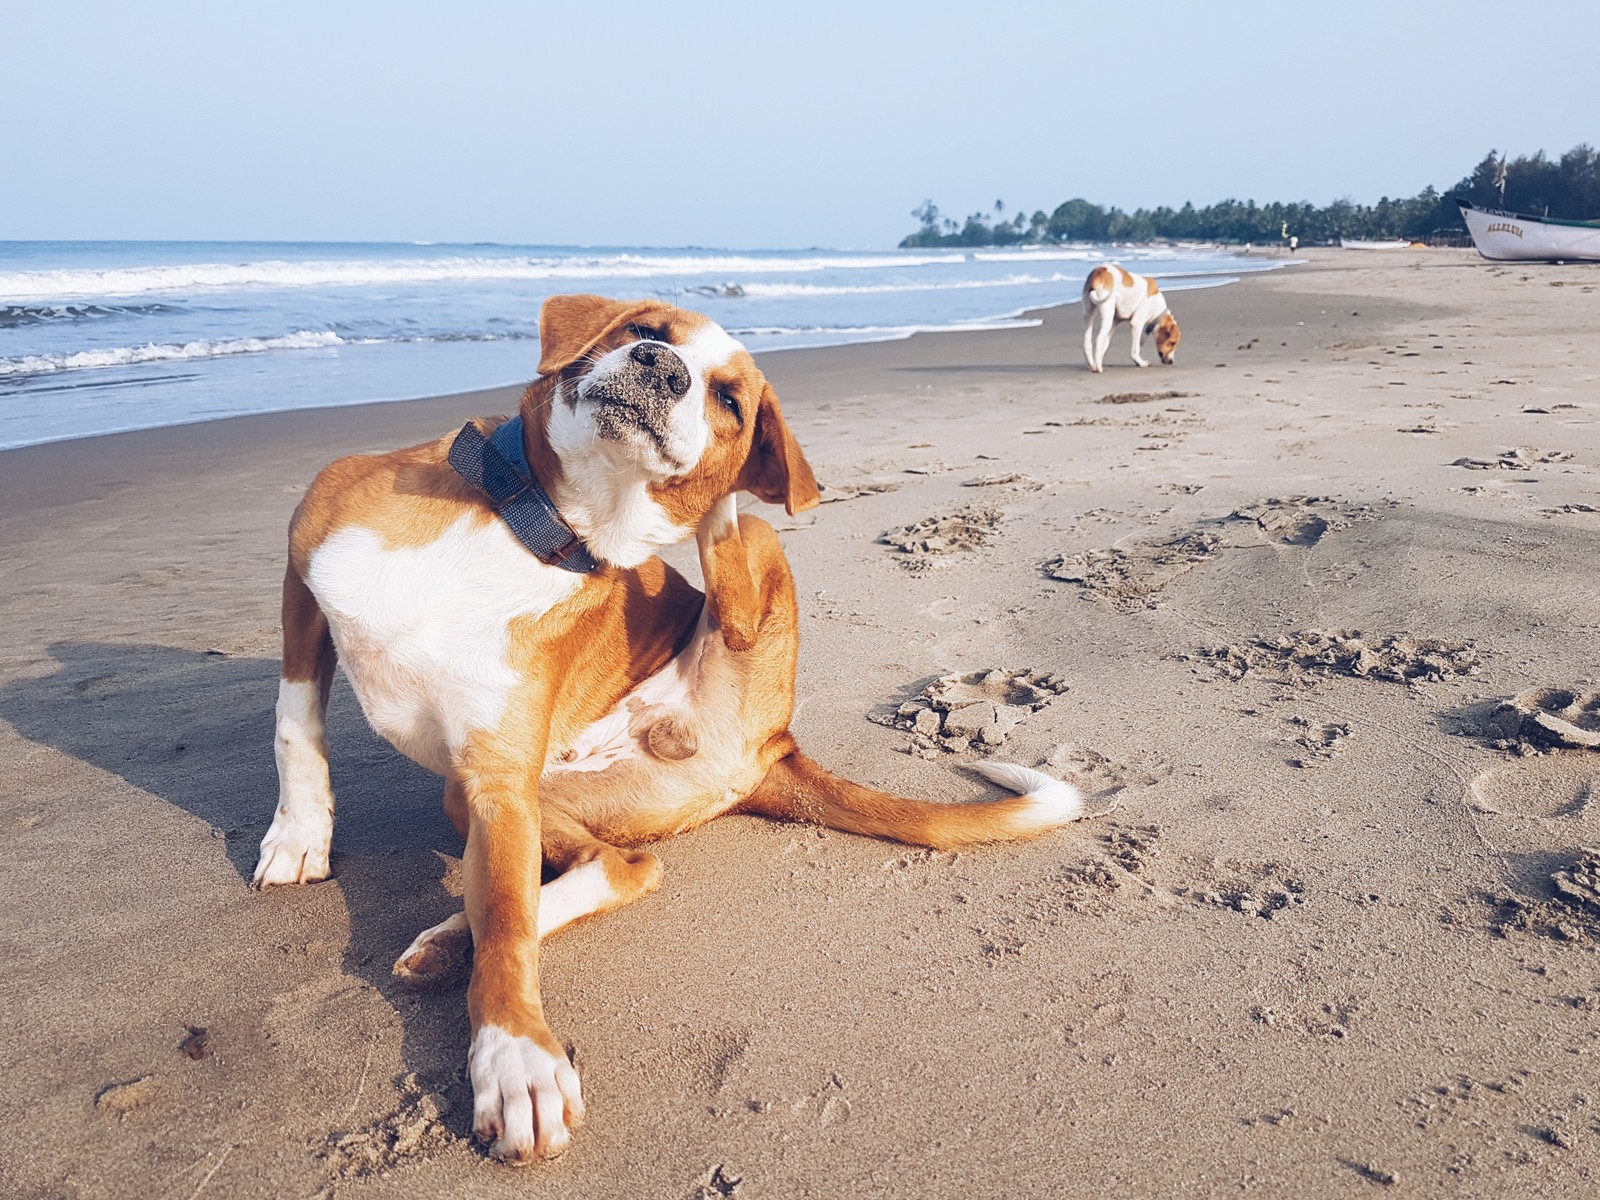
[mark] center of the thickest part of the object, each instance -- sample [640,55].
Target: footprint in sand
[1131,579]
[835,493]
[1122,854]
[1540,810]
[1293,520]
[1548,788]
[1545,718]
[1267,890]
[119,1099]
[1318,741]
[1319,654]
[1132,847]
[719,1181]
[977,711]
[1013,479]
[1566,509]
[1101,778]
[1518,458]
[931,539]
[1558,717]
[1302,520]
[1578,883]
[1143,397]
[414,1131]
[1562,905]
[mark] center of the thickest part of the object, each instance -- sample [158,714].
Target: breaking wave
[123,356]
[14,315]
[185,277]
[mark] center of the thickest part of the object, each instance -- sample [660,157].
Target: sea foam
[792,290]
[122,356]
[24,286]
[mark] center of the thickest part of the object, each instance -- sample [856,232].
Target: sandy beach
[1334,931]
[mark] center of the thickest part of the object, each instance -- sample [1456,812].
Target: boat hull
[1517,237]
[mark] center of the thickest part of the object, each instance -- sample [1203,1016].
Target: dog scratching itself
[496,600]
[492,594]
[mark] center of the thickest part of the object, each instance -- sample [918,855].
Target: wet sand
[1335,932]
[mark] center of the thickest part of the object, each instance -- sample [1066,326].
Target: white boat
[1507,236]
[1373,244]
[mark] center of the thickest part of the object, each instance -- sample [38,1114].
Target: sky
[745,125]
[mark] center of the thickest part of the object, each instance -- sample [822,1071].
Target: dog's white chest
[423,632]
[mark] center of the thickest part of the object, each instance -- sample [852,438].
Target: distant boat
[1375,244]
[1506,236]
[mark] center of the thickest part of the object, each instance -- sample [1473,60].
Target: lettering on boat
[1505,227]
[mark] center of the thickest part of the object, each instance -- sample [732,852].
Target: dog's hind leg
[295,849]
[1105,320]
[1096,335]
[437,955]
[798,789]
[595,878]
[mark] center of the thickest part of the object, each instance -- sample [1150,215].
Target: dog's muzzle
[639,394]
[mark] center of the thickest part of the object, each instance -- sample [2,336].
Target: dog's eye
[730,402]
[646,334]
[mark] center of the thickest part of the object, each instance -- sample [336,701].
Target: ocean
[100,337]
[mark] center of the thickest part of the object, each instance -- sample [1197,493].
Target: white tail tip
[1052,801]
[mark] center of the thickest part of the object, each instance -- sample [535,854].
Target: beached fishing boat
[1373,243]
[1511,236]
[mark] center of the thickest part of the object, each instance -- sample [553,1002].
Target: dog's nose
[661,366]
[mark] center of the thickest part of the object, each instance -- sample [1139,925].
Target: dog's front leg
[295,849]
[525,1090]
[1137,325]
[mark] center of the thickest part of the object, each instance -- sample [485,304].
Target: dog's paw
[525,1097]
[295,849]
[437,955]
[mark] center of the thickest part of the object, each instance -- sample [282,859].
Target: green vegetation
[1568,188]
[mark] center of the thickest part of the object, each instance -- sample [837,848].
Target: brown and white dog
[1111,295]
[570,713]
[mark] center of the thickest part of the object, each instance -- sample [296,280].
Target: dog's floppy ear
[777,471]
[569,326]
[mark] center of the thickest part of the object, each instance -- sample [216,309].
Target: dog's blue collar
[498,466]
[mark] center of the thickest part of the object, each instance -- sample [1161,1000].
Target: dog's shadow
[196,730]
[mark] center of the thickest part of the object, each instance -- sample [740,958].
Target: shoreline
[1312,941]
[1187,281]
[32,469]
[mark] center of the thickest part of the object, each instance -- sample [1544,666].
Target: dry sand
[1335,935]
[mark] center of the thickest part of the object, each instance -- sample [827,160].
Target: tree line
[1566,188]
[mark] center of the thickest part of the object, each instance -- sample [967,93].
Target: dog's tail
[1098,287]
[798,789]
